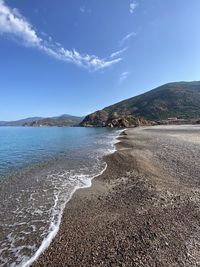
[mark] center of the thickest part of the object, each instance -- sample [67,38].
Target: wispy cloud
[13,24]
[124,76]
[118,53]
[82,9]
[132,7]
[127,37]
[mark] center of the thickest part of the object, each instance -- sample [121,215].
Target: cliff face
[174,100]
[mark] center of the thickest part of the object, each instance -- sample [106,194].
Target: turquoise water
[40,169]
[21,147]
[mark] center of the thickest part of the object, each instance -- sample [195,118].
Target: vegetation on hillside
[180,100]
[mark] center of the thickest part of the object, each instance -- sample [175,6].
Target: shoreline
[88,183]
[130,216]
[52,234]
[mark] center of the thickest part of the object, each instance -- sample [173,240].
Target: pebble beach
[142,211]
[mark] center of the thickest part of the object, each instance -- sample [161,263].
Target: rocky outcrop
[97,119]
[113,121]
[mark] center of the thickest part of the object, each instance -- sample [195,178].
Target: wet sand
[144,210]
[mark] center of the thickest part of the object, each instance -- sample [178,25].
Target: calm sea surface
[40,169]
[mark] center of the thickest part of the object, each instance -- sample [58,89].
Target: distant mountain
[60,121]
[63,120]
[19,122]
[180,100]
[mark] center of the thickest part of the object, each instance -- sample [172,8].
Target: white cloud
[123,76]
[132,7]
[12,23]
[118,53]
[126,38]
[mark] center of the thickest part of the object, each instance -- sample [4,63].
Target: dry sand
[144,210]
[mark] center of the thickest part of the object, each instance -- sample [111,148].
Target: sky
[79,56]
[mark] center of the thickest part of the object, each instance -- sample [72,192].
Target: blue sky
[78,56]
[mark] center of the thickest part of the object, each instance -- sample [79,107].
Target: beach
[142,211]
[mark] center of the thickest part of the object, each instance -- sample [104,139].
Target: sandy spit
[144,210]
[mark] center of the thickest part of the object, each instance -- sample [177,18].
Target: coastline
[135,213]
[55,226]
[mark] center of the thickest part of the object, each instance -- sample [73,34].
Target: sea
[40,169]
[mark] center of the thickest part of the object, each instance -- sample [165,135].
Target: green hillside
[61,121]
[180,99]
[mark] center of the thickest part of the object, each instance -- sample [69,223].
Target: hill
[61,121]
[180,100]
[19,122]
